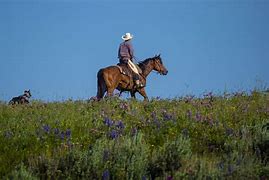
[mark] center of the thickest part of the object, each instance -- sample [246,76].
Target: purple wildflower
[108,122]
[106,175]
[68,133]
[167,116]
[144,178]
[62,135]
[114,134]
[46,128]
[120,125]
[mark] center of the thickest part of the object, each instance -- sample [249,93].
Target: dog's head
[27,93]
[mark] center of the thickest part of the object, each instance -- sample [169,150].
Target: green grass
[217,137]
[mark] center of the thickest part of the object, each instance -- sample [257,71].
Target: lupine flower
[106,175]
[144,178]
[46,128]
[167,116]
[68,133]
[62,135]
[120,125]
[108,122]
[114,134]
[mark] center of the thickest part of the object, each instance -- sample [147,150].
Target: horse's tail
[101,86]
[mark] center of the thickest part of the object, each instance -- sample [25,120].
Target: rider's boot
[139,84]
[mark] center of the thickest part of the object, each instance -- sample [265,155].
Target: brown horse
[111,78]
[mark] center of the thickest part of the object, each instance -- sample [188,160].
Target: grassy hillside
[206,138]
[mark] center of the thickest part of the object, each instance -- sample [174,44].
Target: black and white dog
[22,99]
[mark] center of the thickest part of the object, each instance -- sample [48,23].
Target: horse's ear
[159,55]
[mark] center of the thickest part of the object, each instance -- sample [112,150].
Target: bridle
[159,66]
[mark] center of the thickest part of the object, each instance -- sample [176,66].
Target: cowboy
[126,55]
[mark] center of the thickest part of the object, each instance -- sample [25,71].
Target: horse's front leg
[133,94]
[143,93]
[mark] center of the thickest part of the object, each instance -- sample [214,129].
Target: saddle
[125,70]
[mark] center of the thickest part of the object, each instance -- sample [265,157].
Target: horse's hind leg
[133,94]
[101,91]
[110,84]
[101,88]
[110,91]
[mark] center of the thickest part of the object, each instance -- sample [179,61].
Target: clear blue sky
[55,48]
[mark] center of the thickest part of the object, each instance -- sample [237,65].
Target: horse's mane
[146,61]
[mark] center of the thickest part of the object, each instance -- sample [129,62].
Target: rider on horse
[126,55]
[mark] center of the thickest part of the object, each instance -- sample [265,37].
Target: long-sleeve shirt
[126,50]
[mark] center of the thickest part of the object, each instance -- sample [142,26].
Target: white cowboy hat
[127,36]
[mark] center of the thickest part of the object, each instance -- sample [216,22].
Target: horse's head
[158,65]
